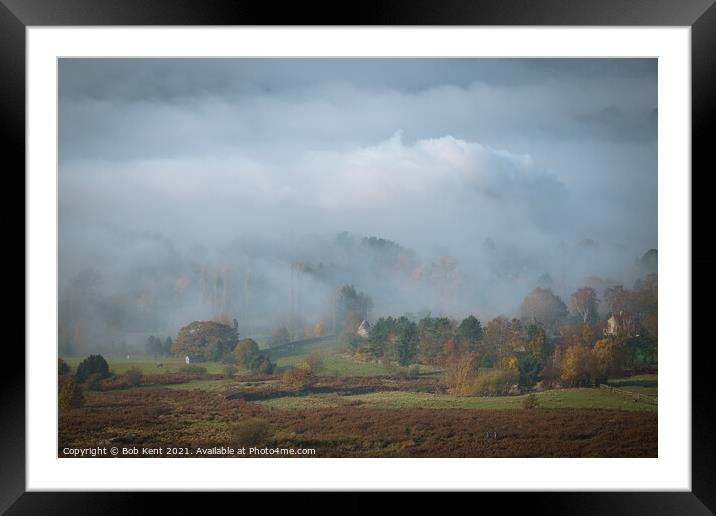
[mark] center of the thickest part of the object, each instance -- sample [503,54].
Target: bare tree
[584,304]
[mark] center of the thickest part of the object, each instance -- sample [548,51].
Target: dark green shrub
[530,367]
[485,362]
[93,364]
[262,365]
[62,367]
[246,352]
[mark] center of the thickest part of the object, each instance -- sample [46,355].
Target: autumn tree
[70,394]
[318,330]
[584,304]
[608,359]
[636,319]
[616,299]
[497,338]
[544,306]
[510,362]
[518,337]
[592,332]
[460,371]
[299,377]
[209,339]
[577,366]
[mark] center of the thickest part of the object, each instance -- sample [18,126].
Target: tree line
[550,344]
[158,347]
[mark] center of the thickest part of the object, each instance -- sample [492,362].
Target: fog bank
[254,188]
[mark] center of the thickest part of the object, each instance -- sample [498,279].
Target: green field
[648,391]
[148,365]
[303,349]
[335,363]
[562,398]
[646,384]
[338,364]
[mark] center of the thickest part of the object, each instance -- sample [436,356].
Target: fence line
[636,396]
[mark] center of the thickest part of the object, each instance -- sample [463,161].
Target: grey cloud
[155,79]
[620,125]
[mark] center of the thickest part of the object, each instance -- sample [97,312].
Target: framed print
[418,253]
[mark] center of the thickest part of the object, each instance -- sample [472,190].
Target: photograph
[357,257]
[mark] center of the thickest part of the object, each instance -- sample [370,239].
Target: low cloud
[171,166]
[431,192]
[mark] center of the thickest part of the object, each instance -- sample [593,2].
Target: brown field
[161,416]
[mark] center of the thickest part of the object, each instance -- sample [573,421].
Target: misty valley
[313,360]
[301,257]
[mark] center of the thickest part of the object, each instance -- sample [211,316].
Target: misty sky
[435,154]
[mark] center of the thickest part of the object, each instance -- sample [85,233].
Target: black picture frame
[16,15]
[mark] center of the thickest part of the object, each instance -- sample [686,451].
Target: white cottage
[364,329]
